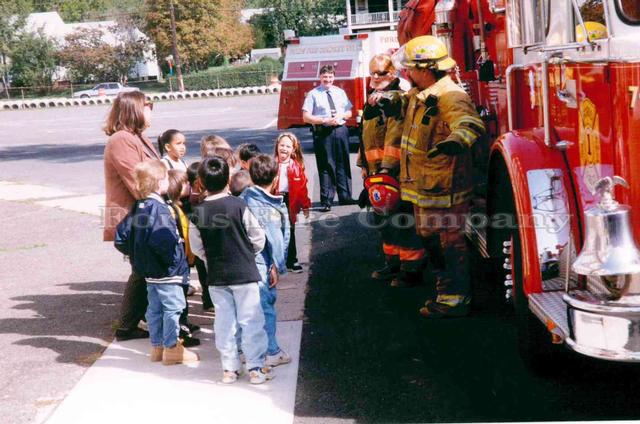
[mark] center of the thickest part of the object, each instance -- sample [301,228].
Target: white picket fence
[176,95]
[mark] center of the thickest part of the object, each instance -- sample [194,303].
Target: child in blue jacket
[149,235]
[271,213]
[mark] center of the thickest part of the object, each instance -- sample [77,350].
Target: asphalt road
[368,356]
[64,147]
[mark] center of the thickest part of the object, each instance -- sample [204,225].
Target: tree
[205,29]
[89,57]
[232,38]
[33,60]
[89,10]
[129,49]
[305,17]
[70,10]
[195,20]
[86,55]
[13,15]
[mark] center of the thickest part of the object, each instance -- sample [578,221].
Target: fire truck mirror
[486,72]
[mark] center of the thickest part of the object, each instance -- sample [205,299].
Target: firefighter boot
[389,271]
[454,284]
[446,306]
[409,276]
[407,279]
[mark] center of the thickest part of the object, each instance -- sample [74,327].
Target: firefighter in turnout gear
[381,135]
[440,126]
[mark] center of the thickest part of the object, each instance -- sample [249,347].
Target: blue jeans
[236,307]
[166,302]
[268,297]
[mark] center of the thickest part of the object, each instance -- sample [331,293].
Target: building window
[362,6]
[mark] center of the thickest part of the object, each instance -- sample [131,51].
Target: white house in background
[257,54]
[367,15]
[54,27]
[247,14]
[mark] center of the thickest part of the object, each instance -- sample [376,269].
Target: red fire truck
[350,54]
[563,114]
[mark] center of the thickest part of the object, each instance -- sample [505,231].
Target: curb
[104,100]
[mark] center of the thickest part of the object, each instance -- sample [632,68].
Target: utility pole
[174,47]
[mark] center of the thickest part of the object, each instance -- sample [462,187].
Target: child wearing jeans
[271,213]
[178,190]
[291,183]
[226,235]
[157,252]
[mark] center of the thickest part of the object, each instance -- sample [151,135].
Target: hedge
[256,74]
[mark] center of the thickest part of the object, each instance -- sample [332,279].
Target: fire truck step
[552,311]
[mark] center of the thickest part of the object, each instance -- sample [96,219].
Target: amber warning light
[356,36]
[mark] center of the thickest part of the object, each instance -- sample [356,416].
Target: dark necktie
[332,105]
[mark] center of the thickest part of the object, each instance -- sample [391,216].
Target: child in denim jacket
[272,215]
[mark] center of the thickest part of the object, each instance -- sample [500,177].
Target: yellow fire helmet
[596,31]
[424,52]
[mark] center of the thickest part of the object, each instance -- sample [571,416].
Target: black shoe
[295,268]
[189,341]
[348,202]
[193,327]
[136,333]
[184,331]
[325,208]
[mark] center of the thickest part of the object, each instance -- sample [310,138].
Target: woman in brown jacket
[129,117]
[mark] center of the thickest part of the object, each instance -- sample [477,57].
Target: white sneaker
[279,358]
[229,377]
[261,375]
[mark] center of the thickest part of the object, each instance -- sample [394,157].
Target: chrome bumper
[601,328]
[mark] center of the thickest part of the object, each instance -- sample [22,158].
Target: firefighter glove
[371,112]
[447,147]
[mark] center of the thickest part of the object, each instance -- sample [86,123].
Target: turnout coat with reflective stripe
[382,131]
[441,181]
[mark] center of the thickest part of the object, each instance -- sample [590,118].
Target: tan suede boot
[156,353]
[178,355]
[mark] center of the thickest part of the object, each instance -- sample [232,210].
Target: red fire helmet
[384,193]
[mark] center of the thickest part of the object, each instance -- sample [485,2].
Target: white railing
[372,18]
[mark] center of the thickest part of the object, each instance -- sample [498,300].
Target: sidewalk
[122,385]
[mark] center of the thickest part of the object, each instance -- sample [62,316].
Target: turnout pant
[331,146]
[448,225]
[400,242]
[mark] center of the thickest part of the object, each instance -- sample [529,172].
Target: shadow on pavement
[71,153]
[368,355]
[57,318]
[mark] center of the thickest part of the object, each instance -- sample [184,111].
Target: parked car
[104,89]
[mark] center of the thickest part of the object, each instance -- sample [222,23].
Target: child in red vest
[291,183]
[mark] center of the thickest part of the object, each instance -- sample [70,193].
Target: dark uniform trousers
[331,146]
[134,302]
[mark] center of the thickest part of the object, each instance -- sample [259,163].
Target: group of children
[231,215]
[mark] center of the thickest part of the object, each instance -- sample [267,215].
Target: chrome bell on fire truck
[609,251]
